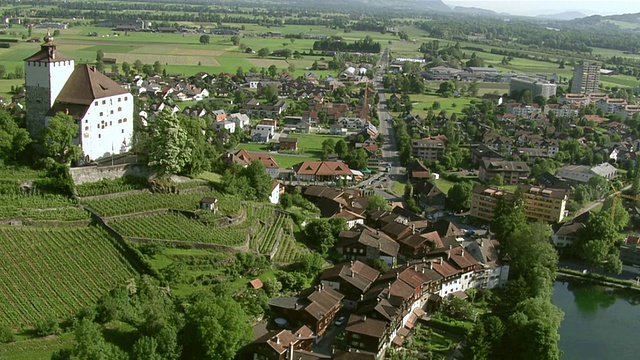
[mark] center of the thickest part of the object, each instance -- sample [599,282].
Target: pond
[599,322]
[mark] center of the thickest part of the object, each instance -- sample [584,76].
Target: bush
[6,334]
[47,327]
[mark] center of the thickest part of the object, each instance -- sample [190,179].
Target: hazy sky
[532,7]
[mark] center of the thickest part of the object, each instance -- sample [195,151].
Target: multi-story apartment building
[512,172]
[586,78]
[536,86]
[431,148]
[539,203]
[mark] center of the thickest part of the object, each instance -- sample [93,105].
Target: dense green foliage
[525,308]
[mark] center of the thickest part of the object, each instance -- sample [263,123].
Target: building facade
[543,204]
[535,86]
[102,109]
[586,78]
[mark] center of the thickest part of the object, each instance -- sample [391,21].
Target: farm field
[174,226]
[54,272]
[35,349]
[145,201]
[40,208]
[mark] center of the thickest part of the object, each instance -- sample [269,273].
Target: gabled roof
[366,326]
[356,273]
[280,340]
[87,84]
[372,238]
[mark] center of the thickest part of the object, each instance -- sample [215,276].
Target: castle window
[86,121]
[111,112]
[123,131]
[98,126]
[110,123]
[126,98]
[119,99]
[119,121]
[95,103]
[101,113]
[119,109]
[99,136]
[125,120]
[104,102]
[86,128]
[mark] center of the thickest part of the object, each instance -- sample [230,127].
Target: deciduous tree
[216,328]
[170,148]
[57,139]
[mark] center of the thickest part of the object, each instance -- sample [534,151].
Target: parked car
[341,320]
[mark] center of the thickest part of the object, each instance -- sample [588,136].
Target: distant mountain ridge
[567,15]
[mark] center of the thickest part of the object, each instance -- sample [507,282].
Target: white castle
[101,107]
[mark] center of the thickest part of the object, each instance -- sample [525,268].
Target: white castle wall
[107,126]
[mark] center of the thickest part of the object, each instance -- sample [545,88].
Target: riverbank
[598,279]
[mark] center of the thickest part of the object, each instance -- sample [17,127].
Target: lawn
[287,161]
[423,102]
[398,188]
[311,144]
[444,185]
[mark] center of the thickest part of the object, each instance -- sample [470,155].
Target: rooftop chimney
[431,265]
[351,263]
[423,270]
[364,317]
[276,340]
[413,228]
[462,253]
[415,267]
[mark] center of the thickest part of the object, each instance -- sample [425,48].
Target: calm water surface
[599,323]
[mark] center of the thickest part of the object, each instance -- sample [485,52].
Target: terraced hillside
[55,271]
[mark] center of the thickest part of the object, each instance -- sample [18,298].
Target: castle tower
[46,72]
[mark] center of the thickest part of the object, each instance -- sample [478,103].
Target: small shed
[256,283]
[209,203]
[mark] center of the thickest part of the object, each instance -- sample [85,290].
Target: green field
[35,349]
[54,272]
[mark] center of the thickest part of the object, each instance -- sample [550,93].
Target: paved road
[389,150]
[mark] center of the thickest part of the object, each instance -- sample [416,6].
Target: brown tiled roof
[279,340]
[48,53]
[370,327]
[322,168]
[321,301]
[256,283]
[357,273]
[87,84]
[244,157]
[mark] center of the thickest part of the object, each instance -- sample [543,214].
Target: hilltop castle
[101,107]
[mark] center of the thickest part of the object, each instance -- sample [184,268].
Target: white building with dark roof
[101,107]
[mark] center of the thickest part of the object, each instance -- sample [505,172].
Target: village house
[351,279]
[315,307]
[243,158]
[287,144]
[367,244]
[317,171]
[282,344]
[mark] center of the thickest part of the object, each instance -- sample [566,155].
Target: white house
[241,120]
[101,107]
[230,126]
[262,133]
[274,197]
